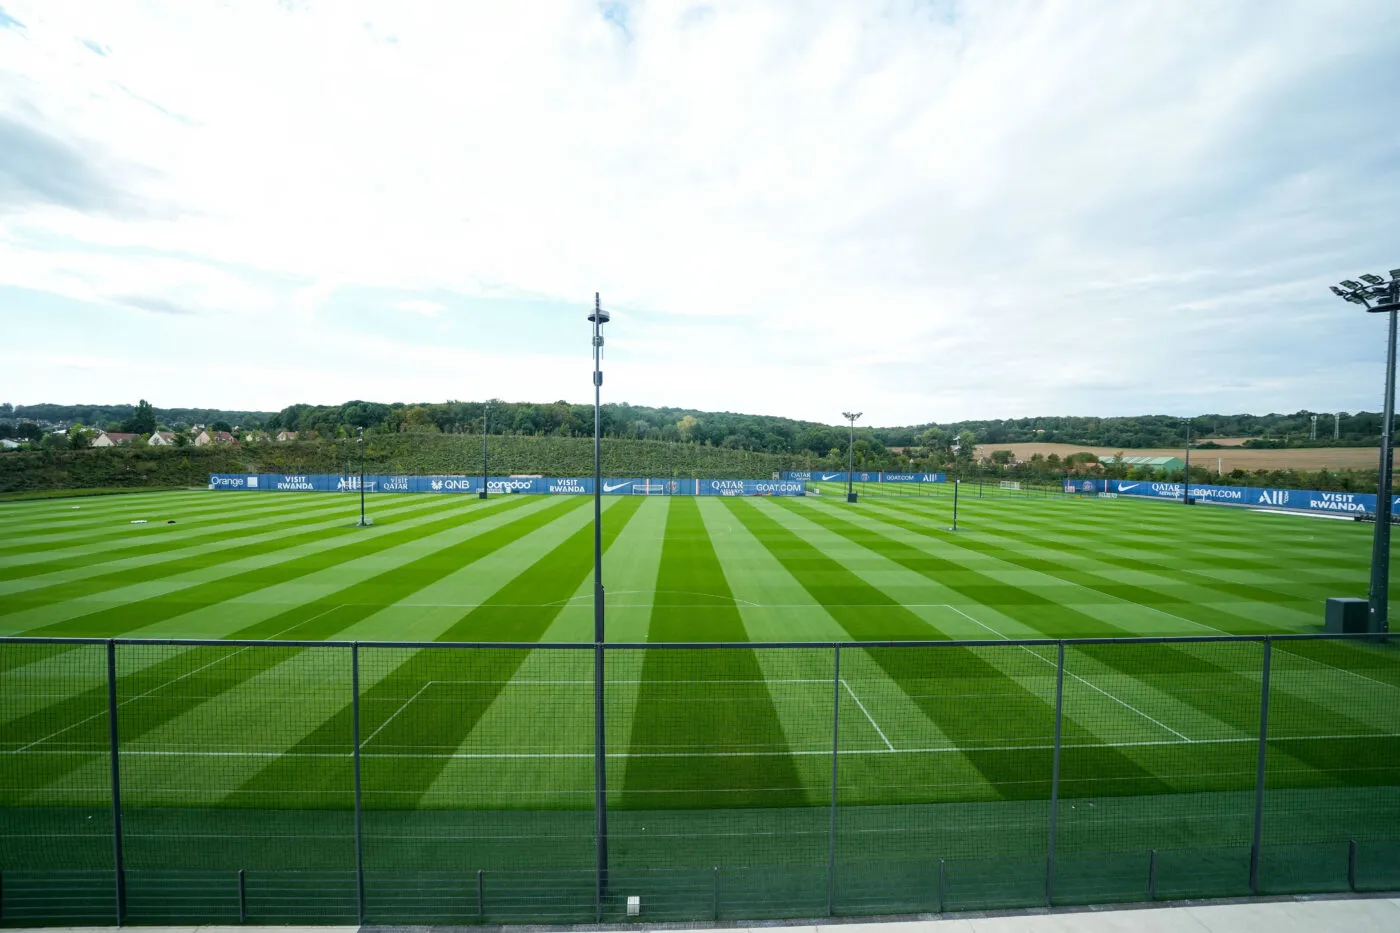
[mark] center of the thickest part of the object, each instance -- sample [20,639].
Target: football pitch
[722,763]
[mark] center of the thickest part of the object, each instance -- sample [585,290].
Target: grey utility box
[1346,615]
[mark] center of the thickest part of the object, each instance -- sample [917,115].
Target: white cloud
[421,306]
[925,210]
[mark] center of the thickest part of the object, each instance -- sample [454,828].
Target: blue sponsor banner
[839,476]
[376,483]
[1309,500]
[1089,486]
[912,477]
[814,476]
[752,487]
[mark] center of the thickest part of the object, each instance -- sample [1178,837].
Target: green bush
[131,467]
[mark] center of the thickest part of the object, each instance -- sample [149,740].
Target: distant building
[206,437]
[7,444]
[112,439]
[162,439]
[286,435]
[1151,463]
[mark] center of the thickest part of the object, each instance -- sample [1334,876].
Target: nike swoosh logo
[1124,487]
[607,488]
[826,477]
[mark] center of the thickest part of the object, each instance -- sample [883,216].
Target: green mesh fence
[309,783]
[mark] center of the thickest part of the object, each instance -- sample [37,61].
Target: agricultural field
[1229,456]
[719,761]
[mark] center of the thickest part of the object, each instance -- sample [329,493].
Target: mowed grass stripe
[176,560]
[1176,552]
[703,701]
[1221,692]
[466,682]
[130,542]
[325,553]
[163,689]
[1012,773]
[989,591]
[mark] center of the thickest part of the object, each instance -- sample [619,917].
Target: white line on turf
[1076,677]
[934,750]
[395,713]
[883,737]
[162,686]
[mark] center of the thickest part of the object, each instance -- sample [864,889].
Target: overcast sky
[925,211]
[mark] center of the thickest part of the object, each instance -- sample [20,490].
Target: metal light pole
[361,444]
[485,424]
[1186,489]
[1377,295]
[851,416]
[957,481]
[599,317]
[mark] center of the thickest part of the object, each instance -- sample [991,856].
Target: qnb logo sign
[302,483]
[1337,502]
[451,485]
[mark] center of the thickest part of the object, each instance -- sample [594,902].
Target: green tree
[221,426]
[142,420]
[1001,457]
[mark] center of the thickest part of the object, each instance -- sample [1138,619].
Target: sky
[924,211]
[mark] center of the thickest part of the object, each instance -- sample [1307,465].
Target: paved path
[1357,915]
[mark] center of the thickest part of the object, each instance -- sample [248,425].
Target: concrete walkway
[1352,915]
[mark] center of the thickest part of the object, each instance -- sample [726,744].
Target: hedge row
[403,453]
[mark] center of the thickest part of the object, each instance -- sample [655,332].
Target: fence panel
[477,760]
[236,757]
[1160,748]
[719,758]
[1333,773]
[56,854]
[946,757]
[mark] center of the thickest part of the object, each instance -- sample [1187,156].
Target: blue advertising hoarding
[377,483]
[829,476]
[1310,500]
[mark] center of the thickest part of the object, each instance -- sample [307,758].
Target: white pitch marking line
[869,717]
[406,703]
[937,750]
[1077,677]
[175,681]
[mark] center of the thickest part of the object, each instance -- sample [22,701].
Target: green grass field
[719,761]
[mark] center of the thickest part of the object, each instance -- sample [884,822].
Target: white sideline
[932,750]
[1077,677]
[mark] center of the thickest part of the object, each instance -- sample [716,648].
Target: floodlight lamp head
[1395,275]
[1349,285]
[1338,292]
[1373,279]
[600,317]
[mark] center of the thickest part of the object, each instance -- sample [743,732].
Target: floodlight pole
[1186,489]
[599,317]
[851,416]
[1380,296]
[485,425]
[361,444]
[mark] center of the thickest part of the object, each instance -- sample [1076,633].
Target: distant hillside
[406,453]
[101,415]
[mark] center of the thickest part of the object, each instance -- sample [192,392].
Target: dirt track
[1302,458]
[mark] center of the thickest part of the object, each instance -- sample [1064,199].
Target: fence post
[118,860]
[242,898]
[835,756]
[714,893]
[359,817]
[1351,866]
[1055,776]
[942,884]
[1254,849]
[481,895]
[1152,876]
